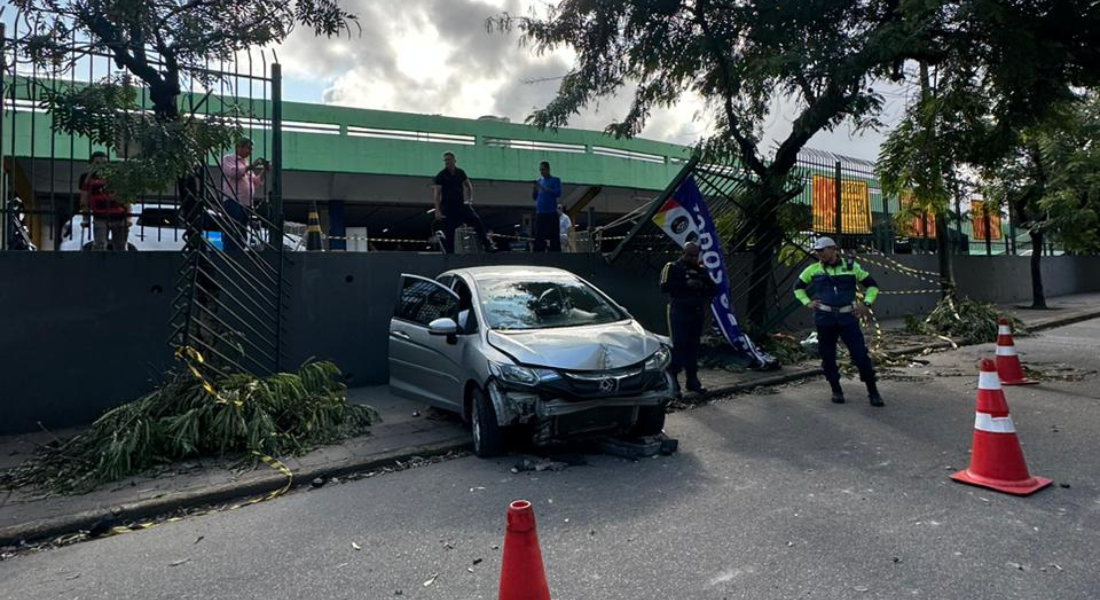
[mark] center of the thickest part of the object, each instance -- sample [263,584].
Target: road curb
[798,375]
[1063,321]
[65,524]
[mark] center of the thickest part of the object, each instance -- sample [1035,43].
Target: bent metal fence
[230,290]
[766,247]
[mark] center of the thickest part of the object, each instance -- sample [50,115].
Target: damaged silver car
[531,350]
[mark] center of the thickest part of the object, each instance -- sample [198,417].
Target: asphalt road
[775,496]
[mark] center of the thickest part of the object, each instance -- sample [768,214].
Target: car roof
[511,272]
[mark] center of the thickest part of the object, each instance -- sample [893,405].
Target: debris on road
[644,447]
[431,580]
[177,563]
[356,546]
[539,465]
[318,482]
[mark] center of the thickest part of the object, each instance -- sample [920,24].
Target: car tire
[488,435]
[651,420]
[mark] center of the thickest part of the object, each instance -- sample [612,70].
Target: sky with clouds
[437,57]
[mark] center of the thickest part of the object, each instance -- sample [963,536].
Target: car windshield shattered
[511,304]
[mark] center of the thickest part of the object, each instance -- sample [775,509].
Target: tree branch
[746,145]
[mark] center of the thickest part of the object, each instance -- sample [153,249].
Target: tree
[160,43]
[1003,68]
[1050,179]
[739,57]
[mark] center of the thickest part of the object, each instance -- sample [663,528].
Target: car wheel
[651,420]
[488,437]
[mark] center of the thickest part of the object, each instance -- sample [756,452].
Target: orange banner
[855,205]
[923,223]
[977,221]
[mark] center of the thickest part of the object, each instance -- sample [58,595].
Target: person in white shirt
[565,224]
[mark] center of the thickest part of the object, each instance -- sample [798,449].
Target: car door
[425,367]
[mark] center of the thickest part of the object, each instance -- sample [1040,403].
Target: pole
[839,201]
[654,206]
[959,224]
[989,231]
[591,229]
[4,206]
[277,156]
[888,227]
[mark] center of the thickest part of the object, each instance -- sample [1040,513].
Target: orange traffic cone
[1008,363]
[996,461]
[521,574]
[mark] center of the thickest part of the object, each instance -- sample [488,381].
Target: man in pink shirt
[240,182]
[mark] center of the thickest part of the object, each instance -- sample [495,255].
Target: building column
[337,230]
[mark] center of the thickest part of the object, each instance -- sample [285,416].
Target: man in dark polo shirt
[452,194]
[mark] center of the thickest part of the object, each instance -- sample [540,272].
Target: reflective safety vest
[835,284]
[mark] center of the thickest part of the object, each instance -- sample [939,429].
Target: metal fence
[40,194]
[230,291]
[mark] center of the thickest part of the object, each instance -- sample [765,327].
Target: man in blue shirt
[546,191]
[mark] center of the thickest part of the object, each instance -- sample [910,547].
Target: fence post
[888,226]
[959,225]
[591,228]
[277,156]
[4,206]
[839,201]
[988,231]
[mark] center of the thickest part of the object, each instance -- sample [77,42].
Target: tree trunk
[943,253]
[1038,297]
[766,244]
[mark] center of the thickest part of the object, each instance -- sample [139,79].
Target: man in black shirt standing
[452,194]
[690,290]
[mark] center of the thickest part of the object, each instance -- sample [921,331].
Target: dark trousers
[547,229]
[235,238]
[464,215]
[685,327]
[844,327]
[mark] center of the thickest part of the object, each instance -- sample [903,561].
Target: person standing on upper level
[546,191]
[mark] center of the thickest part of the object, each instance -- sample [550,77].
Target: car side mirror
[445,327]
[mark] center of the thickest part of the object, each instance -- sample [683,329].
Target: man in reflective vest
[832,281]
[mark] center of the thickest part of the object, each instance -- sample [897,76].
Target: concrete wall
[83,332]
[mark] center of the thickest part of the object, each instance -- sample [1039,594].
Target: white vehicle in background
[158,227]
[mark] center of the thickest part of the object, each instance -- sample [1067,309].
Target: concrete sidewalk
[407,430]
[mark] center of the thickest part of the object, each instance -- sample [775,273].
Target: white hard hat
[823,242]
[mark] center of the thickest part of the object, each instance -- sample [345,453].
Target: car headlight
[659,360]
[519,375]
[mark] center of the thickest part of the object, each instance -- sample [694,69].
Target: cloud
[437,57]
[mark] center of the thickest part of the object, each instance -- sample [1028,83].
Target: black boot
[838,394]
[694,385]
[873,395]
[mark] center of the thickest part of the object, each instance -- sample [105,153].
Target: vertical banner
[977,221]
[685,218]
[855,205]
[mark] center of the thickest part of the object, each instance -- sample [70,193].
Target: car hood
[591,348]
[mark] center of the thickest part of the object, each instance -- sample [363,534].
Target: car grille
[603,384]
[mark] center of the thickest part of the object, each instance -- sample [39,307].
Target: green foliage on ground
[280,415]
[965,321]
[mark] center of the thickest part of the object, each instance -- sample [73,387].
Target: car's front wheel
[488,436]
